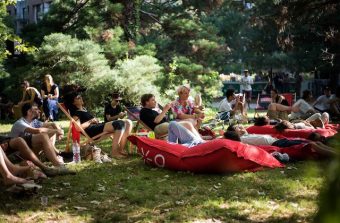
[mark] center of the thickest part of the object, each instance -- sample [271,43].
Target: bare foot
[14,180]
[117,155]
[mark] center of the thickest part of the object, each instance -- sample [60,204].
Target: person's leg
[14,169]
[5,172]
[278,107]
[325,118]
[20,145]
[126,133]
[46,109]
[42,142]
[314,117]
[190,127]
[323,149]
[117,129]
[183,135]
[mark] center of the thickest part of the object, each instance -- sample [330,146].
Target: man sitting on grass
[38,136]
[11,145]
[230,106]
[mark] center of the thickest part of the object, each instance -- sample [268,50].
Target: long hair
[49,78]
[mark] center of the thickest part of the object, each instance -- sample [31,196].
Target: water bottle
[76,152]
[170,116]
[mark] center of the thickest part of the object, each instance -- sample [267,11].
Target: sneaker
[106,159]
[96,156]
[282,157]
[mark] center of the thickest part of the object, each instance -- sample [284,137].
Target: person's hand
[167,107]
[60,134]
[20,103]
[121,114]
[94,121]
[49,96]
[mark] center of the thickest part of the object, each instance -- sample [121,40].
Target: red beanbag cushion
[214,156]
[330,130]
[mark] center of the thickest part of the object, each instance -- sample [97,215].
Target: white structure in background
[28,11]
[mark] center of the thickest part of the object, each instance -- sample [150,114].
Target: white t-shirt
[225,105]
[246,83]
[20,126]
[321,102]
[304,107]
[257,139]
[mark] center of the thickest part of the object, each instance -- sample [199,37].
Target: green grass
[129,191]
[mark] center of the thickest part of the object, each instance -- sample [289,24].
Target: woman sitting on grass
[120,129]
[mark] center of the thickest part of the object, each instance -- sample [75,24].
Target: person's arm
[43,95]
[31,94]
[112,118]
[49,131]
[56,94]
[161,115]
[280,99]
[85,124]
[316,101]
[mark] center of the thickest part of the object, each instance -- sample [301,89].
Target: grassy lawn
[129,191]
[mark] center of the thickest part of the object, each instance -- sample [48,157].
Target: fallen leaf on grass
[295,205]
[95,202]
[292,168]
[179,202]
[66,184]
[80,208]
[261,193]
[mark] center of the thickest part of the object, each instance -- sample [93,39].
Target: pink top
[178,108]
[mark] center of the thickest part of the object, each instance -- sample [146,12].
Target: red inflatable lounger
[215,156]
[330,130]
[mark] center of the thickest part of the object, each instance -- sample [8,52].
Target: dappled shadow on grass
[128,191]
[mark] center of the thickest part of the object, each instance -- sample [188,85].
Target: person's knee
[17,142]
[172,124]
[272,107]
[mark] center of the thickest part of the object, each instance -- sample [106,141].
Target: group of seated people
[30,136]
[46,99]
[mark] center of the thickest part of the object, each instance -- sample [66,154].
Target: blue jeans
[51,108]
[181,134]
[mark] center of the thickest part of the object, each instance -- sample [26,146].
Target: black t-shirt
[83,116]
[112,111]
[53,87]
[148,116]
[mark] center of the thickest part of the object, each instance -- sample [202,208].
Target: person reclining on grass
[264,139]
[300,109]
[313,122]
[157,121]
[11,145]
[230,106]
[120,129]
